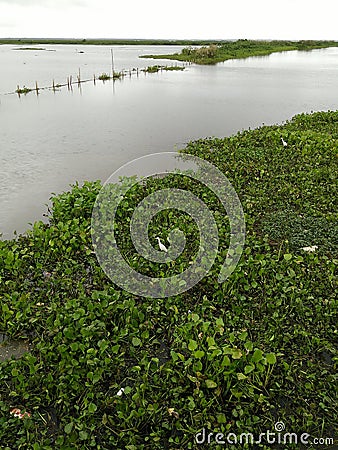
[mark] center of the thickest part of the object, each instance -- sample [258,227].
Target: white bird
[120,392]
[285,144]
[163,248]
[313,248]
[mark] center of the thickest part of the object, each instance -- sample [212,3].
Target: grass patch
[104,77]
[156,68]
[115,76]
[232,358]
[242,48]
[24,90]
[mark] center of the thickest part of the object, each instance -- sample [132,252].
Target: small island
[242,48]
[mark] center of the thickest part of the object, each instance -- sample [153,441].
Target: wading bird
[163,248]
[285,144]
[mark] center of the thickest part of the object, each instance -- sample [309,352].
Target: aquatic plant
[104,76]
[157,68]
[168,68]
[24,90]
[107,369]
[152,69]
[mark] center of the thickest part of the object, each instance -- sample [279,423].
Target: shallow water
[49,141]
[12,348]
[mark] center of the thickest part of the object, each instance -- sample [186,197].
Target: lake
[49,141]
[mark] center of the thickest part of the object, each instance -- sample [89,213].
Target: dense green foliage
[233,357]
[243,48]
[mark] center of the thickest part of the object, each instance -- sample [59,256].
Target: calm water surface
[49,141]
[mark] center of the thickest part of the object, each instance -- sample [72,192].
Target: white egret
[285,144]
[163,248]
[313,248]
[120,392]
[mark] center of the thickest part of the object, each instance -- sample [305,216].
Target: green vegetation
[232,358]
[30,48]
[115,76]
[243,48]
[155,69]
[24,90]
[104,76]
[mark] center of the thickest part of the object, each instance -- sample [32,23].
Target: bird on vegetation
[163,248]
[285,144]
[312,248]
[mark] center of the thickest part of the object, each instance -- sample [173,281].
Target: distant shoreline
[52,41]
[85,41]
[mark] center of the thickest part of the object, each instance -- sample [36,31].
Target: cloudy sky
[191,19]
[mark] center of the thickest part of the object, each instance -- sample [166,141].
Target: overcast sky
[191,19]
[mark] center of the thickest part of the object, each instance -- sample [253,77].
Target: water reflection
[50,141]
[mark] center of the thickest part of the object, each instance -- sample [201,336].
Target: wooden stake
[112,61]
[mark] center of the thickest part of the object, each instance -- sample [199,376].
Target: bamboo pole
[112,61]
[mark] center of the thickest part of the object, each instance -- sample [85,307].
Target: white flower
[310,249]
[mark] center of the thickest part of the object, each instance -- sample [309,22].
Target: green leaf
[271,358]
[14,372]
[241,376]
[287,256]
[236,353]
[210,384]
[68,428]
[211,342]
[192,345]
[249,368]
[257,356]
[199,354]
[83,435]
[136,341]
[92,407]
[226,361]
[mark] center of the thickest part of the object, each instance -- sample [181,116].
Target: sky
[174,19]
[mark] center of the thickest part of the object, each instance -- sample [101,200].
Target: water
[50,141]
